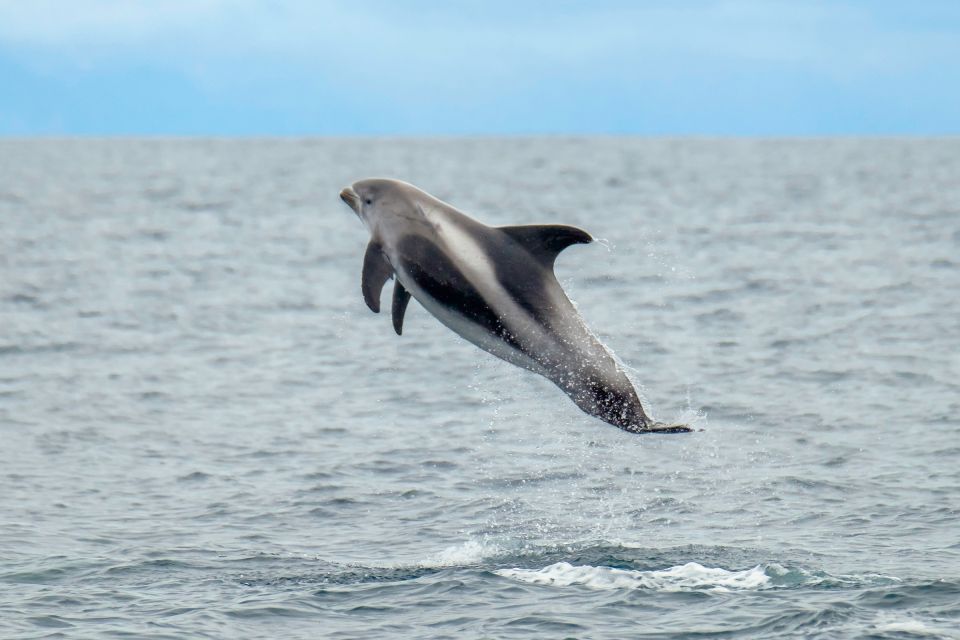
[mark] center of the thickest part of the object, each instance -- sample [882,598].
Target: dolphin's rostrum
[494,286]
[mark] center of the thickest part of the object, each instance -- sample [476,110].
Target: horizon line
[470,136]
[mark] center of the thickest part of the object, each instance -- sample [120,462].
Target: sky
[470,67]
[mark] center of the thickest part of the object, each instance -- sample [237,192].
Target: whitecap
[910,626]
[688,577]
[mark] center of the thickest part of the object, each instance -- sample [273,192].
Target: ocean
[205,433]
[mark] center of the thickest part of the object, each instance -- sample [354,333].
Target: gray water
[205,433]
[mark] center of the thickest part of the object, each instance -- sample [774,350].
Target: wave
[606,566]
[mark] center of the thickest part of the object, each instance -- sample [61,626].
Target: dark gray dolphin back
[524,266]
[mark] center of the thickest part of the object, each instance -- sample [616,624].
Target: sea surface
[205,433]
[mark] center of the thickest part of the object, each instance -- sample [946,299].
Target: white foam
[911,626]
[905,626]
[687,577]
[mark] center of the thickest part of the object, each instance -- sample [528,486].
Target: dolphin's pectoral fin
[376,271]
[400,299]
[545,241]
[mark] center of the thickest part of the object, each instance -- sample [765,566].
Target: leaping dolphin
[495,287]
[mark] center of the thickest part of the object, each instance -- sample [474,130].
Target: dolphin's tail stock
[619,407]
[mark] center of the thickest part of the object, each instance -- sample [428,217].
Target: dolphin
[495,287]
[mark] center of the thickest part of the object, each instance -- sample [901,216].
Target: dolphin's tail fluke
[663,427]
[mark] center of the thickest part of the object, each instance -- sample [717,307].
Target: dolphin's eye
[369,200]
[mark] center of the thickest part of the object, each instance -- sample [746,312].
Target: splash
[606,244]
[471,552]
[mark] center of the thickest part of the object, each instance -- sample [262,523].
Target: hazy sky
[248,67]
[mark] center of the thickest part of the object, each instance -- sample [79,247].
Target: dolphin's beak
[350,196]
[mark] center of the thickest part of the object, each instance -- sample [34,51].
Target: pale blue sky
[688,67]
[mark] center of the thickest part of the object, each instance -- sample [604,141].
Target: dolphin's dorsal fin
[376,271]
[545,241]
[400,299]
